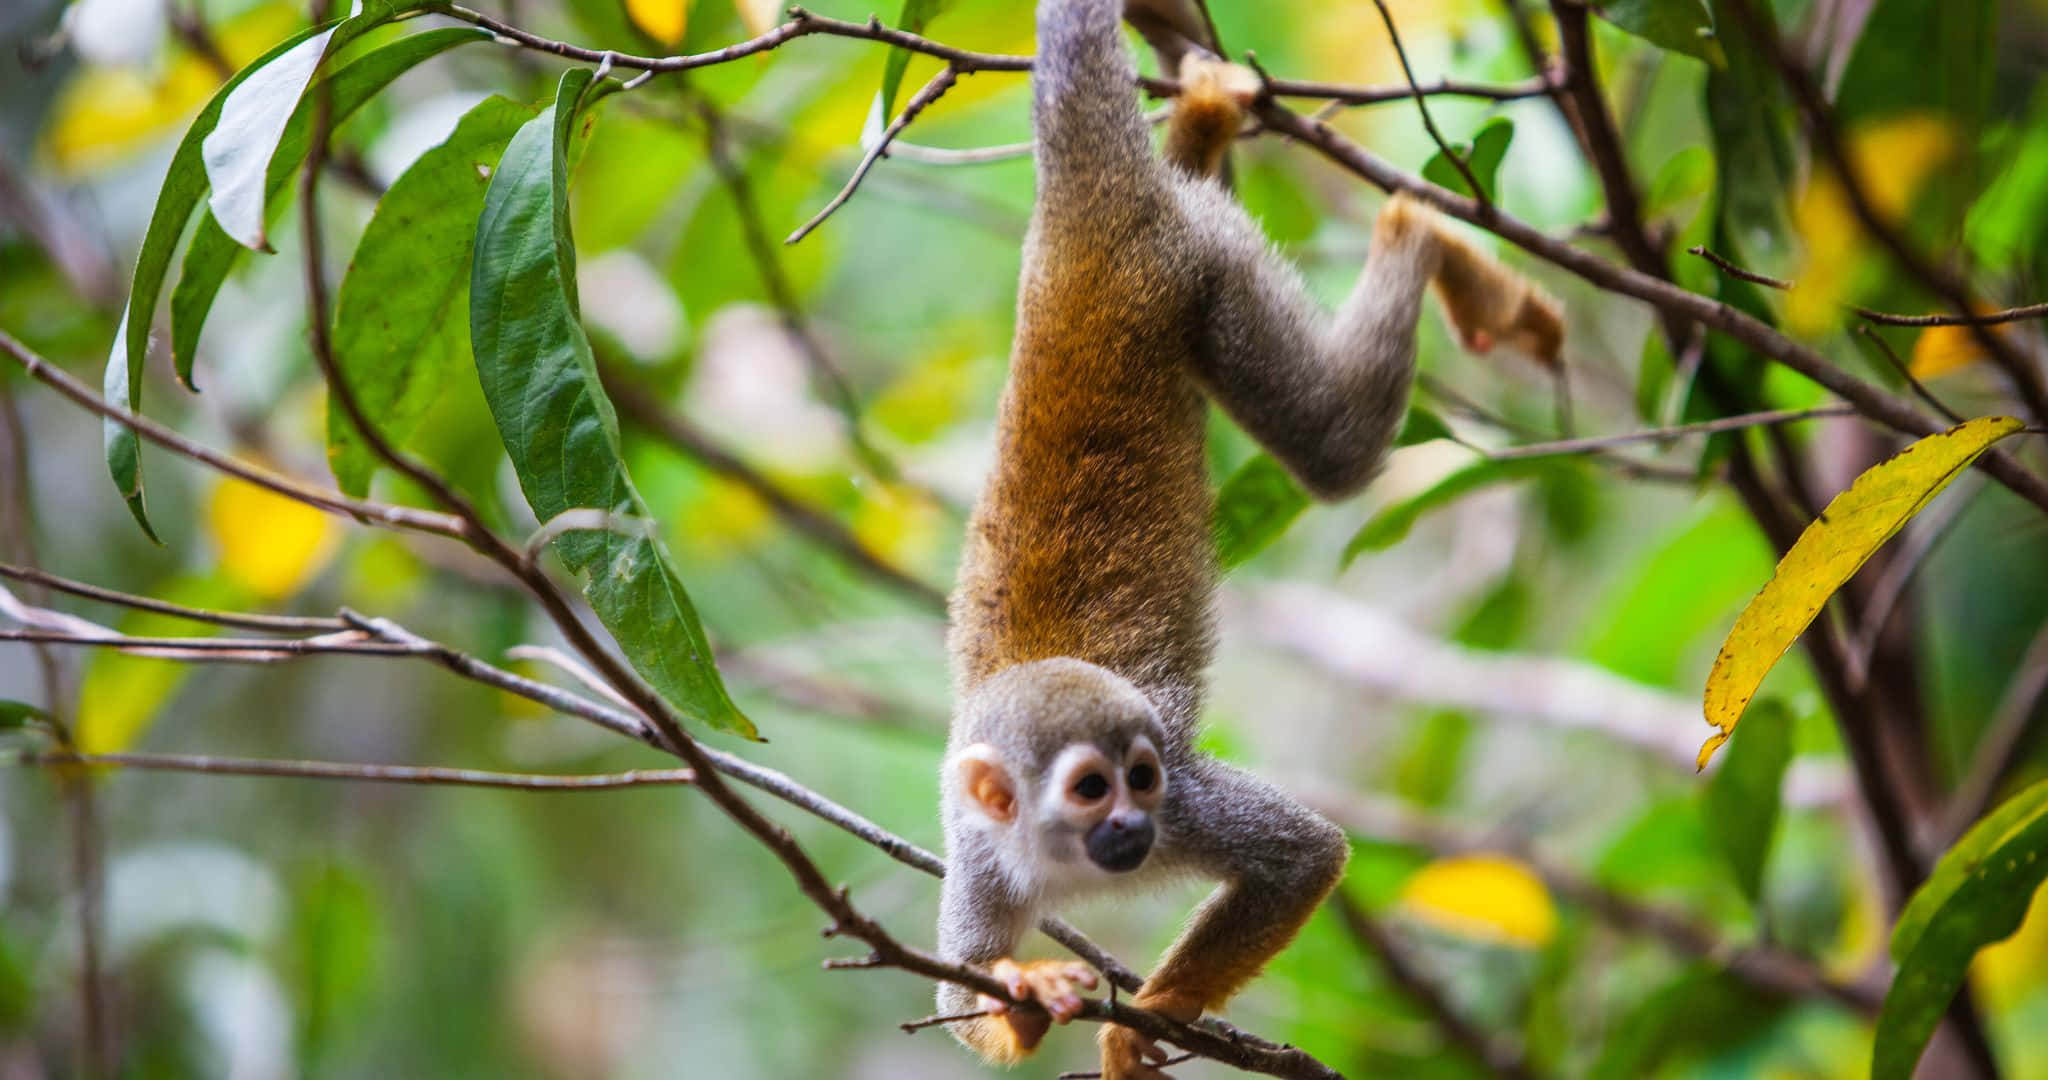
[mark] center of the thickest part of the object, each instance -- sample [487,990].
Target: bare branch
[424,775]
[1738,272]
[1596,443]
[283,624]
[930,92]
[1422,106]
[1987,318]
[1905,372]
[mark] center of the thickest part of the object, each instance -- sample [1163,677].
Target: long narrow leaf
[1855,524]
[213,253]
[400,320]
[541,383]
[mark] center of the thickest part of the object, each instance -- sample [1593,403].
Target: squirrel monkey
[1082,622]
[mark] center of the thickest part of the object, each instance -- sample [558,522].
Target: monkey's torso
[1092,539]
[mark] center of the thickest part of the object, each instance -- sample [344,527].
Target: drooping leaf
[1390,525]
[1256,505]
[18,714]
[1684,26]
[1853,526]
[212,253]
[238,150]
[184,183]
[1978,894]
[541,382]
[917,14]
[401,321]
[1742,801]
[1482,155]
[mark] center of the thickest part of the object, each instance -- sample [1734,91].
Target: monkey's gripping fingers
[1128,1055]
[1050,983]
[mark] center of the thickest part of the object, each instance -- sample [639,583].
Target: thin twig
[1988,318]
[912,1027]
[232,650]
[1905,372]
[1422,106]
[283,624]
[1096,1074]
[927,94]
[1735,271]
[1596,443]
[424,775]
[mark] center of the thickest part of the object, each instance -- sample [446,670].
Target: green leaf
[1978,894]
[1855,524]
[184,183]
[18,714]
[1750,121]
[1421,426]
[212,253]
[238,150]
[1684,26]
[1390,525]
[541,383]
[402,313]
[1482,155]
[1256,505]
[1741,799]
[917,14]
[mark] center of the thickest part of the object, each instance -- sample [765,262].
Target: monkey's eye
[1142,777]
[1092,786]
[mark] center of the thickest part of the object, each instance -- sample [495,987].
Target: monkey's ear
[986,783]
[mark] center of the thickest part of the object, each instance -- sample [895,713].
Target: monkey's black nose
[1120,842]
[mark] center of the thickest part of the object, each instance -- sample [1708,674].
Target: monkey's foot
[1204,78]
[1050,983]
[1127,1055]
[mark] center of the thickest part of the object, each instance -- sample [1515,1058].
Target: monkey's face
[1099,803]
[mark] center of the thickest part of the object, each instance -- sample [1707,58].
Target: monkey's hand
[1050,983]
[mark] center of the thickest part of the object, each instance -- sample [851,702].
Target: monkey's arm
[1276,860]
[980,923]
[1326,396]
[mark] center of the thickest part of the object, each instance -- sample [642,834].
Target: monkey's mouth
[1120,847]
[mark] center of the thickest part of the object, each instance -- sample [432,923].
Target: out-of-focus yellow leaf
[268,544]
[928,397]
[104,114]
[900,527]
[1487,897]
[1892,159]
[1942,349]
[759,16]
[663,20]
[724,519]
[2004,973]
[1854,525]
[121,694]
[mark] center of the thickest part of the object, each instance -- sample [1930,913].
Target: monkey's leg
[1208,114]
[1276,859]
[1327,396]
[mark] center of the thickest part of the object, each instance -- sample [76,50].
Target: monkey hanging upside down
[1082,623]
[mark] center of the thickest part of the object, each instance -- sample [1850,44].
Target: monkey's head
[1058,762]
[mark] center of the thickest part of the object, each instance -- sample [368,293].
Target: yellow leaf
[104,114]
[724,519]
[1854,525]
[268,544]
[663,20]
[1487,897]
[2005,973]
[1942,349]
[1892,158]
[758,16]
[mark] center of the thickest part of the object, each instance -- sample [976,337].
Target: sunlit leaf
[184,183]
[212,253]
[1978,894]
[268,544]
[1487,897]
[1482,155]
[1391,525]
[1680,25]
[401,319]
[663,20]
[916,15]
[1741,798]
[1831,549]
[557,425]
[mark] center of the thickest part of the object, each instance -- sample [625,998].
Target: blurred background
[1502,704]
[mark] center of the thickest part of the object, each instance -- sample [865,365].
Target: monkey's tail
[1084,108]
